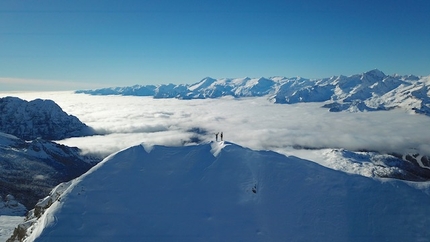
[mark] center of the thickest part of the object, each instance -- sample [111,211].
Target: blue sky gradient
[87,43]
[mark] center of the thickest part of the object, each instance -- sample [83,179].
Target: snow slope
[7,225]
[221,191]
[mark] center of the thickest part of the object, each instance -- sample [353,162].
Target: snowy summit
[39,119]
[220,191]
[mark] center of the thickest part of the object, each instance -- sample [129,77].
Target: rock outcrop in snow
[190,194]
[369,91]
[39,119]
[10,206]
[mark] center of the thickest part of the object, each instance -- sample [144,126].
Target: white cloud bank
[250,122]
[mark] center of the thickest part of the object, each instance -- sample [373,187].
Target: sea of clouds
[123,121]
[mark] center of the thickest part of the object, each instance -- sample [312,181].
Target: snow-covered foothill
[367,163]
[189,194]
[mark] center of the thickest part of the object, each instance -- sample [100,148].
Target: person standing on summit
[216,136]
[221,136]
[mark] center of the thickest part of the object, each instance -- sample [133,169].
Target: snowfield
[221,191]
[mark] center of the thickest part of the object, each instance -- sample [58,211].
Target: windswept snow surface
[188,194]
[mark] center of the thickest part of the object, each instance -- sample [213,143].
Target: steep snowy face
[224,192]
[255,88]
[204,83]
[170,91]
[38,119]
[374,75]
[29,170]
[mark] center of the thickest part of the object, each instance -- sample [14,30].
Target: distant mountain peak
[375,73]
[376,70]
[370,90]
[38,119]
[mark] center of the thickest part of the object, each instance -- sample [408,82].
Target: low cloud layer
[251,122]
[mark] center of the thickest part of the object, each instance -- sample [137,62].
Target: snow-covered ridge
[188,194]
[38,119]
[369,91]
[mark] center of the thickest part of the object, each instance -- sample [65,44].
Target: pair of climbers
[221,136]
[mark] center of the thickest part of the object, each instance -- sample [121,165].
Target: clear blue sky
[59,44]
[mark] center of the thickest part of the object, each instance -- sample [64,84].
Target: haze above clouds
[252,122]
[21,84]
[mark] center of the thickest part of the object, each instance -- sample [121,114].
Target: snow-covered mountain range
[30,169]
[369,91]
[38,119]
[220,191]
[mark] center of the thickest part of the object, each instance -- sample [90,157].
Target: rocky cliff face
[30,164]
[30,169]
[39,119]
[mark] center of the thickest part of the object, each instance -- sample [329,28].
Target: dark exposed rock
[30,169]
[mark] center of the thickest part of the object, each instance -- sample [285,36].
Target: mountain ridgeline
[30,164]
[369,91]
[39,119]
[30,169]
